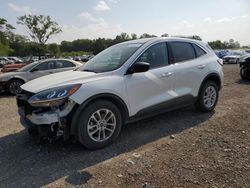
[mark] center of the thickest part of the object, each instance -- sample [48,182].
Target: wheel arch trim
[208,77]
[105,96]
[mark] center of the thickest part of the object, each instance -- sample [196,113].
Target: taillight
[220,61]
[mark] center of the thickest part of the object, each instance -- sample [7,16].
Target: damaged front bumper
[54,120]
[48,117]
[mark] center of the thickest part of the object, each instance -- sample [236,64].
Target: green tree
[165,35]
[133,36]
[146,35]
[39,27]
[99,45]
[53,49]
[5,35]
[217,44]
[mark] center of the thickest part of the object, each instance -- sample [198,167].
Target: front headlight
[53,97]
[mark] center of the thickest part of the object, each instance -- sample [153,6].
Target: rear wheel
[14,86]
[99,124]
[208,97]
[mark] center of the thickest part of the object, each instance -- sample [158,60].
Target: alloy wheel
[101,125]
[210,96]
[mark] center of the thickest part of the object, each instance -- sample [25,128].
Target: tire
[209,91]
[13,86]
[243,73]
[33,131]
[95,132]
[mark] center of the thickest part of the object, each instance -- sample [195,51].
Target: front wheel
[14,86]
[208,97]
[99,124]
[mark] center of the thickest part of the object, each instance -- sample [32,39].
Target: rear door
[190,67]
[151,88]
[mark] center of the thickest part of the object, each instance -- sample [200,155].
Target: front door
[155,86]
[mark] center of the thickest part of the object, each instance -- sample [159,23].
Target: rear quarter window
[182,51]
[199,52]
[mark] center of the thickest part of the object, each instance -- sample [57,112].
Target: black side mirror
[138,67]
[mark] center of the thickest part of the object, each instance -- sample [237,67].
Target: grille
[22,101]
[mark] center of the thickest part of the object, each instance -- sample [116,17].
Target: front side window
[182,51]
[156,56]
[111,58]
[45,66]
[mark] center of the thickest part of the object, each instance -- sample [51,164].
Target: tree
[5,35]
[99,45]
[146,35]
[217,44]
[133,36]
[53,49]
[39,27]
[165,35]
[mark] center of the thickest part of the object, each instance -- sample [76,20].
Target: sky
[212,20]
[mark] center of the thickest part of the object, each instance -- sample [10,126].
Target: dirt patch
[182,148]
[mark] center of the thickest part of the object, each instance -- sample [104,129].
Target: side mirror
[138,67]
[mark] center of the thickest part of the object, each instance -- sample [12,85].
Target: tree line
[40,28]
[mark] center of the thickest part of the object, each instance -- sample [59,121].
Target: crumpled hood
[62,78]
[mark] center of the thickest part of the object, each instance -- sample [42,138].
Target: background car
[17,65]
[233,57]
[12,81]
[221,53]
[245,67]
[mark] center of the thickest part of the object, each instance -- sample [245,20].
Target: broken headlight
[54,96]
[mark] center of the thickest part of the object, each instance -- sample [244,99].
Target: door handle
[167,74]
[201,66]
[51,72]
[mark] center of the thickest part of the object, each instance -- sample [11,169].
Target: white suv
[124,83]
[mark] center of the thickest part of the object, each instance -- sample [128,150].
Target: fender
[212,76]
[108,96]
[17,77]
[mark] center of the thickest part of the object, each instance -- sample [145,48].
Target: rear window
[182,51]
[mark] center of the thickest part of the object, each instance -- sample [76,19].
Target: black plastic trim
[207,78]
[166,106]
[125,113]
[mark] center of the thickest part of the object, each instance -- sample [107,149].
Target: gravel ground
[182,148]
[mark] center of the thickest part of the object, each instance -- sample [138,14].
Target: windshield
[111,58]
[28,67]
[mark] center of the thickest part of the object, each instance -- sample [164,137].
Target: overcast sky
[210,19]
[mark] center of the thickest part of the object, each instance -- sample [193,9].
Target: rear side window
[198,50]
[156,56]
[63,64]
[45,66]
[182,51]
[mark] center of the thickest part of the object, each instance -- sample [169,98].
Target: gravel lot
[182,148]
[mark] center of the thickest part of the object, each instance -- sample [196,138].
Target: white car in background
[124,83]
[233,57]
[11,81]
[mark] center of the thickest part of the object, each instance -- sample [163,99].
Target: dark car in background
[245,67]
